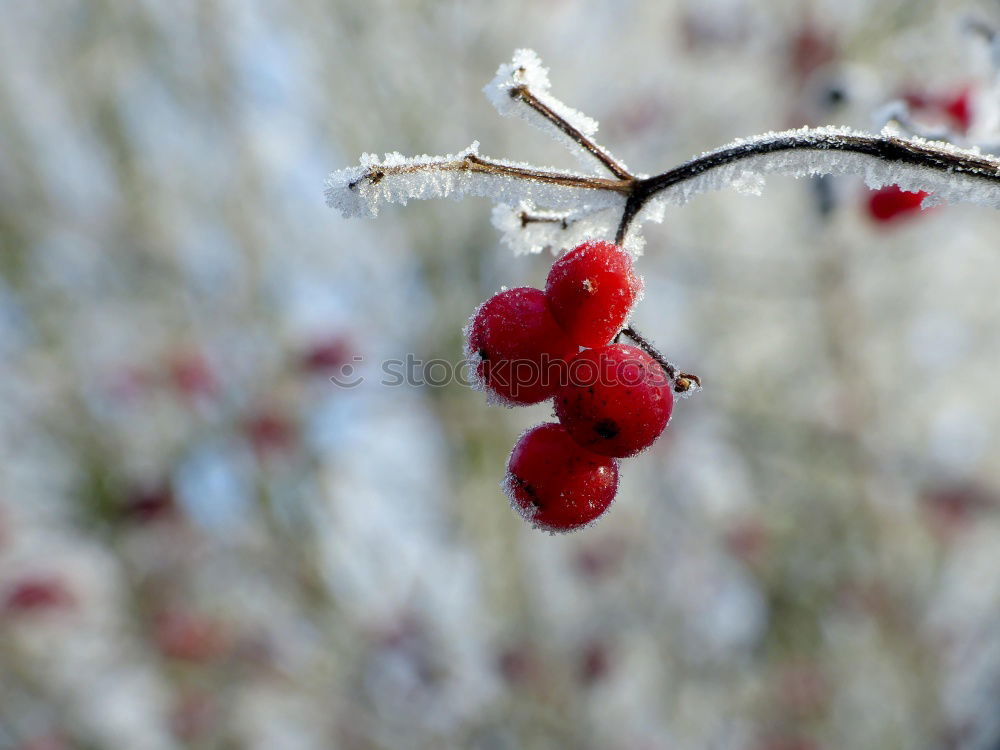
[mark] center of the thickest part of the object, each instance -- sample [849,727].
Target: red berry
[811,48]
[38,594]
[191,375]
[270,432]
[595,662]
[519,664]
[518,347]
[953,108]
[590,291]
[617,401]
[150,503]
[959,107]
[328,354]
[555,484]
[189,637]
[891,202]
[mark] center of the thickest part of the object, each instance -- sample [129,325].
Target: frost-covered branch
[544,207]
[948,173]
[360,190]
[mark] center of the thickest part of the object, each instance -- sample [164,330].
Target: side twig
[484,165]
[598,152]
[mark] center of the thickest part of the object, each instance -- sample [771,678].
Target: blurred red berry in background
[595,662]
[270,432]
[810,48]
[519,664]
[328,354]
[150,503]
[891,202]
[953,507]
[191,375]
[959,106]
[602,558]
[189,637]
[748,540]
[952,109]
[38,594]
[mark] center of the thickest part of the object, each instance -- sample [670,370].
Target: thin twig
[484,165]
[546,217]
[682,381]
[610,163]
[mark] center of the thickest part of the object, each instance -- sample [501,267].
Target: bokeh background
[204,543]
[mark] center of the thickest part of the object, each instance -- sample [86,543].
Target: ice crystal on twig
[521,89]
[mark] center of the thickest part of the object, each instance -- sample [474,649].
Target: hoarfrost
[473,359]
[525,72]
[555,209]
[742,164]
[748,183]
[526,229]
[819,151]
[361,190]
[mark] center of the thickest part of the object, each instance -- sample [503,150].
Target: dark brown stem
[682,381]
[565,219]
[884,147]
[610,163]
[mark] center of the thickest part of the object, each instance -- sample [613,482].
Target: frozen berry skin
[554,483]
[591,290]
[617,401]
[517,346]
[892,202]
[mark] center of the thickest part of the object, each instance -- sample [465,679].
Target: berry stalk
[683,382]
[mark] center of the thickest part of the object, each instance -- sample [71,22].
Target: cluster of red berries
[611,400]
